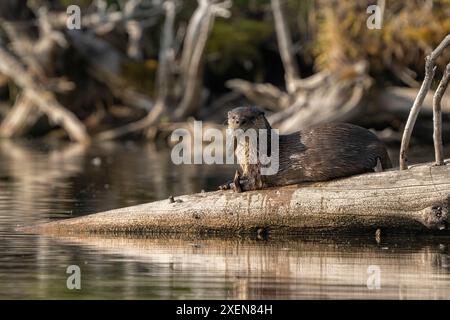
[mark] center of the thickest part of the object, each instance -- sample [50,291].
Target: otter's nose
[235,121]
[239,121]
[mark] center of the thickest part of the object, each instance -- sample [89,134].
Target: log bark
[416,200]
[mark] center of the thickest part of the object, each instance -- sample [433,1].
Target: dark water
[46,181]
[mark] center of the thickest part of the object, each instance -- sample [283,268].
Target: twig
[437,116]
[430,69]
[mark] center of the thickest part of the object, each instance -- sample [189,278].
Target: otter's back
[329,151]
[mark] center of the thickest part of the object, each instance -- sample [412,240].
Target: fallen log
[410,200]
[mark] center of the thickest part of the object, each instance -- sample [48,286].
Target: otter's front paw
[226,186]
[237,182]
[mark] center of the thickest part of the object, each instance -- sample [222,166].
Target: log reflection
[287,268]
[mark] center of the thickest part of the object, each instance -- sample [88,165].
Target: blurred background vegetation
[326,35]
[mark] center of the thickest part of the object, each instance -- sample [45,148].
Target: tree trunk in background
[291,70]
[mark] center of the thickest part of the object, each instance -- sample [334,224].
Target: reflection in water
[46,181]
[283,268]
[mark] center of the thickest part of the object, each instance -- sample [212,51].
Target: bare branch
[192,79]
[437,116]
[134,31]
[291,73]
[20,118]
[263,94]
[163,81]
[42,98]
[193,62]
[192,33]
[166,54]
[103,21]
[430,70]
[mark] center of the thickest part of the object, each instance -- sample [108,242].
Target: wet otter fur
[318,153]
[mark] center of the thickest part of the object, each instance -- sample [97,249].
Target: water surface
[43,181]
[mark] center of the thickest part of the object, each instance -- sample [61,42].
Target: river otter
[319,153]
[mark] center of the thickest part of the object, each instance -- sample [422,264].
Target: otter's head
[247,117]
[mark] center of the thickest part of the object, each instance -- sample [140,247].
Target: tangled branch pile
[142,66]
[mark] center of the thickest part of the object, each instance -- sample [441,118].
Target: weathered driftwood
[41,98]
[164,79]
[413,200]
[179,80]
[19,119]
[323,97]
[138,13]
[291,72]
